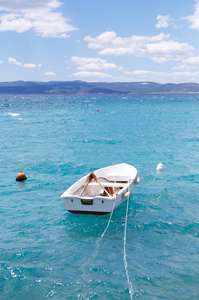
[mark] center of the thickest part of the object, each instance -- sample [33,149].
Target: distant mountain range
[89,88]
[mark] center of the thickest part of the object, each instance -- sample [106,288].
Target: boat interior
[94,189]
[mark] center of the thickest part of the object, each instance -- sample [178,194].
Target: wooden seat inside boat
[111,183]
[94,189]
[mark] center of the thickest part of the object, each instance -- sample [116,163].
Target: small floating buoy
[21,176]
[159,167]
[164,109]
[97,109]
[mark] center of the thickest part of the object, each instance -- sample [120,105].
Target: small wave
[12,114]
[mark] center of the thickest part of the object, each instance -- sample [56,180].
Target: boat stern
[88,205]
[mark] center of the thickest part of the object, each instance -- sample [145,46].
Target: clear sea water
[46,252]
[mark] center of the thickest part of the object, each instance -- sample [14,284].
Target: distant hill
[105,88]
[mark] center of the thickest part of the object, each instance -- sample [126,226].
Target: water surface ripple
[47,252]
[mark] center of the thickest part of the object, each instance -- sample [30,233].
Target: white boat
[101,191]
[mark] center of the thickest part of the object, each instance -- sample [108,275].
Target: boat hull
[100,205]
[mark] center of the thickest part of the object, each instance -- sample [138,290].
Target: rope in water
[159,168]
[108,220]
[146,184]
[95,253]
[102,235]
[131,290]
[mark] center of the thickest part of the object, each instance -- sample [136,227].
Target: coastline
[80,88]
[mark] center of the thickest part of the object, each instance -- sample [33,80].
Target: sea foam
[12,114]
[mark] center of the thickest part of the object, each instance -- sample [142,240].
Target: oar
[95,178]
[90,177]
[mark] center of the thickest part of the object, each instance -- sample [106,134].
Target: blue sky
[98,40]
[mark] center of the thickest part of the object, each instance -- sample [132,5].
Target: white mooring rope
[95,253]
[108,220]
[159,168]
[131,290]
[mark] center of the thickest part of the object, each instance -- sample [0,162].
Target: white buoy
[160,167]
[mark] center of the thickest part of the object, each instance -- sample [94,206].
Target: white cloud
[194,19]
[145,75]
[1,62]
[159,48]
[13,23]
[161,77]
[16,5]
[92,75]
[39,15]
[17,63]
[86,63]
[30,66]
[189,63]
[14,61]
[140,72]
[49,74]
[192,60]
[163,21]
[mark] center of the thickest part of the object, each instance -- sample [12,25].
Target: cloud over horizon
[92,75]
[13,61]
[23,15]
[159,48]
[49,73]
[86,63]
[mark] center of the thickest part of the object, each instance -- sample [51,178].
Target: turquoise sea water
[46,252]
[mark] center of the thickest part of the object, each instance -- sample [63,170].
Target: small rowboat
[101,191]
